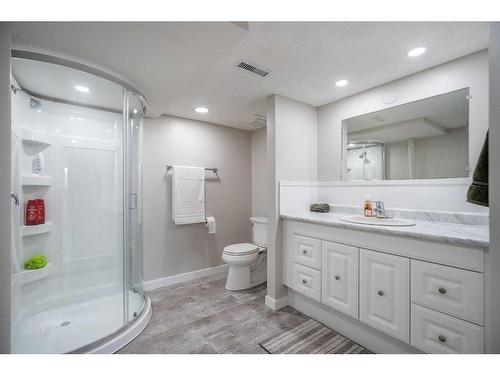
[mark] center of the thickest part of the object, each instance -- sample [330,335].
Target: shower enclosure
[76,145]
[365,161]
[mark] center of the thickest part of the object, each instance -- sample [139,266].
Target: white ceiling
[182,65]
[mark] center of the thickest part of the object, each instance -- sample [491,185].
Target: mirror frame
[343,132]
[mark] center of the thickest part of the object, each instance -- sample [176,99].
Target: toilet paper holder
[210,224]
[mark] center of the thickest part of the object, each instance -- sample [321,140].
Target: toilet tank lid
[259,219]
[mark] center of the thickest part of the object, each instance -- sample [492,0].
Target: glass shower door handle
[132,201]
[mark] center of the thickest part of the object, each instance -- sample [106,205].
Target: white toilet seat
[241,249]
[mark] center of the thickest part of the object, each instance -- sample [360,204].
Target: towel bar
[215,170]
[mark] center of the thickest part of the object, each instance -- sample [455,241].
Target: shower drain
[65,323]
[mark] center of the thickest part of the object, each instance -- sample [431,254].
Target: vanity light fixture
[341,83]
[416,51]
[81,88]
[201,109]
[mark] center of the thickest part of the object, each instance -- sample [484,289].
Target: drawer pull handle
[442,338]
[304,281]
[442,290]
[380,293]
[337,277]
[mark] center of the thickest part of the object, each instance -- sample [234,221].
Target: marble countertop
[452,233]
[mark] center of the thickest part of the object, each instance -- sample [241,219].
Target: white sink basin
[359,219]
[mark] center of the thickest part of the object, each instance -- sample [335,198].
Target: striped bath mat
[311,337]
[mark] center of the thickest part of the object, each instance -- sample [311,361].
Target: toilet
[247,261]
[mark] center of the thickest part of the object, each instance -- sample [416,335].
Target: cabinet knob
[442,338]
[442,290]
[380,293]
[337,277]
[304,281]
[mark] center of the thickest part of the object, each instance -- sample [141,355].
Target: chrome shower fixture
[35,103]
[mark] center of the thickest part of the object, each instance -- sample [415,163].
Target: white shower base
[69,327]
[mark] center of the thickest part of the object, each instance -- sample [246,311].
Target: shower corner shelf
[28,276]
[35,180]
[30,230]
[36,137]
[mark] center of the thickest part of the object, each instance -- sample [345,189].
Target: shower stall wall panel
[84,246]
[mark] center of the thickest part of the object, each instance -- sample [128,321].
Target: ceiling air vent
[253,69]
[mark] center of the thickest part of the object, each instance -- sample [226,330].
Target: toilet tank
[259,231]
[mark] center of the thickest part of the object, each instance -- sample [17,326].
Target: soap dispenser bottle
[368,206]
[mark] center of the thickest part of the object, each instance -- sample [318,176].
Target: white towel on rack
[188,195]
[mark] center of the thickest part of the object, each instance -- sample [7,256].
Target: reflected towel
[478,191]
[188,195]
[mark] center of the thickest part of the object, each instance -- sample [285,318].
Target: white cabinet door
[434,332]
[340,277]
[307,251]
[450,290]
[384,300]
[307,281]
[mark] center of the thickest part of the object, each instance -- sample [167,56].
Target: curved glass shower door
[76,147]
[133,281]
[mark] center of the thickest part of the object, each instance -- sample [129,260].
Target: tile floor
[201,316]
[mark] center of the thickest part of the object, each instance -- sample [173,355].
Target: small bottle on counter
[368,206]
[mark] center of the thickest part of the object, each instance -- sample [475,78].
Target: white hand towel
[188,195]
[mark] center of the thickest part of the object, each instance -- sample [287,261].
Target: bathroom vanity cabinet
[389,293]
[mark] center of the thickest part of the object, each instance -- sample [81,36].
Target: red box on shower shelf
[35,212]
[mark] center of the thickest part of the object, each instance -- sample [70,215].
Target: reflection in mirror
[423,139]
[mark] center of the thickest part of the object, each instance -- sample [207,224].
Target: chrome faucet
[15,198]
[379,209]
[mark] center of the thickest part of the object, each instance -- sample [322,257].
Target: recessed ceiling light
[416,51]
[341,83]
[82,88]
[201,109]
[135,111]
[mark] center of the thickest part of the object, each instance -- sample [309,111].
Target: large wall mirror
[427,138]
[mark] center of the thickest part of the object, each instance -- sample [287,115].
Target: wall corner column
[5,211]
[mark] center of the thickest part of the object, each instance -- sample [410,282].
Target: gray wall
[396,160]
[171,249]
[443,156]
[259,173]
[492,263]
[5,252]
[292,154]
[435,157]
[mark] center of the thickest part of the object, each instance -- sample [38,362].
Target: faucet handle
[379,209]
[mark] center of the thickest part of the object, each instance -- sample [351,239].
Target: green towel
[478,191]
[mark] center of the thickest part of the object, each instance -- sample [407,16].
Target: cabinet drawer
[447,289]
[307,251]
[339,273]
[435,332]
[307,281]
[384,293]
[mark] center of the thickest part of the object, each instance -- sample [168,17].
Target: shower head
[35,103]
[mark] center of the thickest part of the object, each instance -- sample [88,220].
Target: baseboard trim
[371,338]
[175,279]
[276,304]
